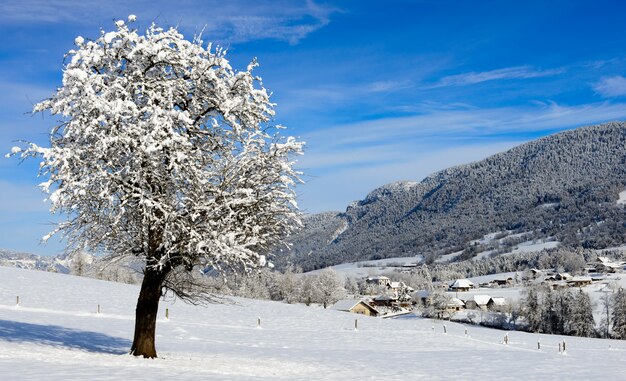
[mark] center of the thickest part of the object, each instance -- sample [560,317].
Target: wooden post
[17,300]
[538,345]
[563,345]
[167,313]
[98,309]
[506,339]
[356,324]
[444,329]
[258,322]
[465,331]
[559,347]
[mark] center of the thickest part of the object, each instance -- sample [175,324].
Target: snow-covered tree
[307,289]
[290,285]
[79,262]
[619,314]
[166,153]
[581,319]
[532,309]
[329,287]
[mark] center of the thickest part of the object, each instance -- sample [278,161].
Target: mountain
[565,187]
[58,264]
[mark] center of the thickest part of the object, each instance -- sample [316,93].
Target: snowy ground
[56,334]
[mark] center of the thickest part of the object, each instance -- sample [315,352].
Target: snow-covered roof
[480,300]
[462,283]
[455,302]
[382,298]
[498,301]
[346,304]
[581,279]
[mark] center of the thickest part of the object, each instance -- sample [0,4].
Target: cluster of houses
[476,302]
[594,272]
[395,298]
[392,299]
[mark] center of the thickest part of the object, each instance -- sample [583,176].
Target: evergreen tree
[563,309]
[532,310]
[619,314]
[581,319]
[549,317]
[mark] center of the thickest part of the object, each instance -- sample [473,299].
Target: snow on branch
[163,151]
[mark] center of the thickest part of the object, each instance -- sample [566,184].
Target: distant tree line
[561,312]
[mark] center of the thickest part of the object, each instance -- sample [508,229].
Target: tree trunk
[146,314]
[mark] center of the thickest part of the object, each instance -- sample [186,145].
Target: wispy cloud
[346,159]
[232,21]
[387,86]
[471,122]
[517,72]
[611,86]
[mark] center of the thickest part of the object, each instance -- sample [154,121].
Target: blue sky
[380,91]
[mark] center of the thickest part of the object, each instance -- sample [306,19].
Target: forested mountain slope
[565,186]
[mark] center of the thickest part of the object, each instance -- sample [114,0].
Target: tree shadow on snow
[56,336]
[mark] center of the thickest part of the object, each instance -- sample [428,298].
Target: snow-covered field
[56,334]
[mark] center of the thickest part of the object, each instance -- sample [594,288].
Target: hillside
[56,334]
[563,187]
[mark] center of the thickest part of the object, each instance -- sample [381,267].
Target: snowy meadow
[56,333]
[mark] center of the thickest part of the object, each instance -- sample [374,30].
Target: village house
[384,301]
[454,305]
[461,285]
[356,307]
[477,302]
[563,276]
[378,281]
[505,281]
[579,281]
[496,304]
[536,273]
[559,285]
[605,265]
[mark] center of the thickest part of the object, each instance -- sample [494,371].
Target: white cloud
[387,86]
[345,162]
[231,21]
[611,86]
[517,72]
[469,123]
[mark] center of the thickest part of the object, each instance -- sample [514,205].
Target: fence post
[356,324]
[563,346]
[98,309]
[167,313]
[444,329]
[538,345]
[258,322]
[17,300]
